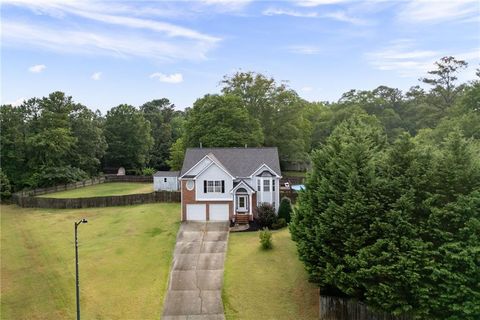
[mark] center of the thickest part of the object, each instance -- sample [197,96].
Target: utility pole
[77,284]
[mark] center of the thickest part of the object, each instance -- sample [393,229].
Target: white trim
[217,162]
[245,184]
[208,166]
[186,185]
[250,207]
[224,200]
[272,199]
[181,203]
[269,169]
[243,209]
[196,164]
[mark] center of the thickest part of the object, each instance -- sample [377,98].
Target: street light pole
[77,284]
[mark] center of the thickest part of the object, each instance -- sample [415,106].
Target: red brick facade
[188,197]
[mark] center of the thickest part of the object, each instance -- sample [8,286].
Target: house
[228,183]
[166,180]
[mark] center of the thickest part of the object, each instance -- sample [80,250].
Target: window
[190,185]
[266,185]
[211,186]
[164,179]
[273,185]
[259,186]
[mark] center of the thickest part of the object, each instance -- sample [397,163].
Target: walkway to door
[196,278]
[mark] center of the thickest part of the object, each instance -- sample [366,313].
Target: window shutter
[223,186]
[204,186]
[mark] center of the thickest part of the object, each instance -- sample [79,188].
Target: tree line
[391,217]
[53,139]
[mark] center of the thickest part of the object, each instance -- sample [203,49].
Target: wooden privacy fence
[61,187]
[84,183]
[335,308]
[115,178]
[92,202]
[292,195]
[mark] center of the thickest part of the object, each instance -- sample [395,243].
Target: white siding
[200,166]
[160,184]
[213,173]
[267,196]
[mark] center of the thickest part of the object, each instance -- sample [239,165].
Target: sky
[105,53]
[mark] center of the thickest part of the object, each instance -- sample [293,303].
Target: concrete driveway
[195,286]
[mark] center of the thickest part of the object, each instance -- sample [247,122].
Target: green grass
[269,284]
[302,174]
[104,189]
[125,256]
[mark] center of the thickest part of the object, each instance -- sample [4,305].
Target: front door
[242,205]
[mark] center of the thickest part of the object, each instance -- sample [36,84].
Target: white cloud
[401,56]
[305,49]
[436,11]
[306,89]
[169,29]
[96,76]
[342,16]
[406,60]
[37,68]
[104,43]
[314,3]
[17,102]
[168,78]
[288,12]
[228,5]
[165,41]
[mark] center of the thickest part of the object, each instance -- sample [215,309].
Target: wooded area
[394,220]
[52,140]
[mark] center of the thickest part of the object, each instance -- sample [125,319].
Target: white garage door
[219,212]
[196,212]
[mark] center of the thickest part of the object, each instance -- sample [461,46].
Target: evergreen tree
[285,210]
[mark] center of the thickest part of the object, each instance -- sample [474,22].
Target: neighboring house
[166,180]
[228,183]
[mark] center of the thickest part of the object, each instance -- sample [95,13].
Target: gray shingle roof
[166,174]
[240,162]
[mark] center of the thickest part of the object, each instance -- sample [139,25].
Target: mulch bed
[252,226]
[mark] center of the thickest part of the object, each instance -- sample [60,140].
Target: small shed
[166,181]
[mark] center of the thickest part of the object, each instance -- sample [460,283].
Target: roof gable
[239,162]
[166,174]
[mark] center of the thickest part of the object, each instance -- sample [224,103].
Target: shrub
[5,188]
[285,210]
[266,239]
[281,223]
[266,215]
[148,171]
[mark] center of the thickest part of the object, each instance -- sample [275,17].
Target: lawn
[262,284]
[104,189]
[125,255]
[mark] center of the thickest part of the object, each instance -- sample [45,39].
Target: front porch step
[242,219]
